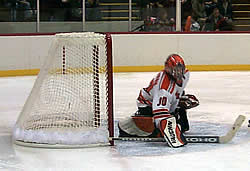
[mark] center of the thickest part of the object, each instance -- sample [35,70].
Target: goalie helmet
[175,67]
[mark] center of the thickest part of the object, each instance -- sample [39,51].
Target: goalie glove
[188,101]
[170,130]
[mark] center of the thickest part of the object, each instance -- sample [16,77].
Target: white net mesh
[68,103]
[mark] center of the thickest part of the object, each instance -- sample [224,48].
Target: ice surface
[223,96]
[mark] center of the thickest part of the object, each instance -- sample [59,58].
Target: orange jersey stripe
[143,100]
[172,89]
[165,82]
[151,85]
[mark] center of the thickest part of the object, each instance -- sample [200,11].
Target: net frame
[95,62]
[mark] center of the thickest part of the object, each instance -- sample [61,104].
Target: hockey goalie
[162,106]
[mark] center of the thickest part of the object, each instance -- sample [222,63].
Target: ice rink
[223,96]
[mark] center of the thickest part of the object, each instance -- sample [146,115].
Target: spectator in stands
[209,6]
[153,7]
[92,10]
[216,22]
[199,12]
[170,5]
[155,15]
[186,9]
[160,23]
[144,8]
[73,10]
[24,10]
[225,8]
[165,24]
[191,24]
[12,4]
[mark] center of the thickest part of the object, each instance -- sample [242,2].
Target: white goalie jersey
[162,94]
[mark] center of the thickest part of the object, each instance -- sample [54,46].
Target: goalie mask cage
[71,103]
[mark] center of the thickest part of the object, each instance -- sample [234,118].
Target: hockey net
[70,104]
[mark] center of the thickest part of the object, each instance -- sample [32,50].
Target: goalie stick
[194,139]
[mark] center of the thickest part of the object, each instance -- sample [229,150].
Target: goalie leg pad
[171,132]
[136,126]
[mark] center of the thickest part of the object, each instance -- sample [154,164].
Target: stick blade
[231,133]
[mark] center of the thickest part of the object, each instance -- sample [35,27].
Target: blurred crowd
[50,10]
[196,15]
[158,15]
[17,10]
